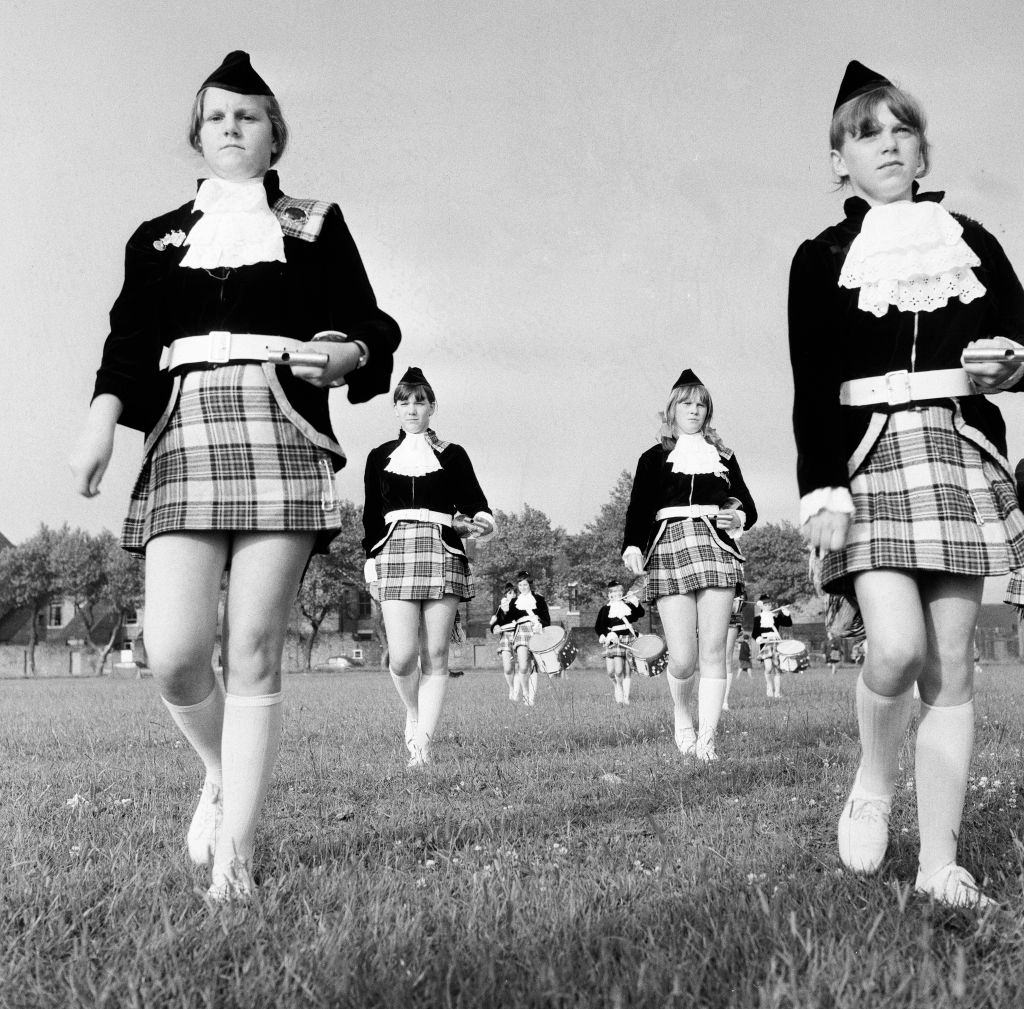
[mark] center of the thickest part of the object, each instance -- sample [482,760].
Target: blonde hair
[686,394]
[278,127]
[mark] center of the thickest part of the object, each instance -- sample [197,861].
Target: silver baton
[993,355]
[291,357]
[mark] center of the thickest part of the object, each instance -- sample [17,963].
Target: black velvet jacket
[321,286]
[606,623]
[831,340]
[453,488]
[516,615]
[657,486]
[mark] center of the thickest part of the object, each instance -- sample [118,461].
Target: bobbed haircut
[414,390]
[685,394]
[857,116]
[278,127]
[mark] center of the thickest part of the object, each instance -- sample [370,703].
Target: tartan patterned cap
[236,74]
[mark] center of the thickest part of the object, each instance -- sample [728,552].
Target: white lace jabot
[693,454]
[913,256]
[413,457]
[618,608]
[237,228]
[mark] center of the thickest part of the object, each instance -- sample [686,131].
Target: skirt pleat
[414,563]
[688,557]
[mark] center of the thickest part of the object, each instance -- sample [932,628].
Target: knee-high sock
[252,731]
[728,686]
[532,680]
[945,739]
[883,726]
[202,724]
[680,691]
[627,682]
[408,690]
[431,696]
[778,684]
[710,695]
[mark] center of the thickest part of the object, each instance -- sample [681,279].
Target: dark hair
[414,390]
[278,127]
[857,116]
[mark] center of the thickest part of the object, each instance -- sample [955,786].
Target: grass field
[558,856]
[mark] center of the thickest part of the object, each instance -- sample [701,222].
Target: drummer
[615,629]
[504,629]
[767,621]
[528,613]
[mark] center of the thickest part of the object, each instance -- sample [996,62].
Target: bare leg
[438,618]
[402,619]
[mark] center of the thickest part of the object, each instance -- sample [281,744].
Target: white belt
[418,515]
[220,347]
[895,388]
[686,512]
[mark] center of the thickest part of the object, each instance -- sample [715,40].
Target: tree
[525,542]
[28,579]
[329,575]
[776,563]
[124,589]
[595,554]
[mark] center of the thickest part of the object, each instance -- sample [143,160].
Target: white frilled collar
[618,608]
[694,454]
[413,457]
[913,256]
[237,228]
[526,602]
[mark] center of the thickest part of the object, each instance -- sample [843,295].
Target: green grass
[558,856]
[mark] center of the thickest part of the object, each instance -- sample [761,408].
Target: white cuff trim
[833,499]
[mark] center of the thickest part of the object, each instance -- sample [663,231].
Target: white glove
[600,638]
[485,519]
[370,571]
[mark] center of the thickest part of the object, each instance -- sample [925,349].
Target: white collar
[526,602]
[694,454]
[237,228]
[413,457]
[618,608]
[913,256]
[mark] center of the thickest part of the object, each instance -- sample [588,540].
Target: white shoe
[863,831]
[725,705]
[769,693]
[205,826]
[687,742]
[419,755]
[233,883]
[953,885]
[705,751]
[512,695]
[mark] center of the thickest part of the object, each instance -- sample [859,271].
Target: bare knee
[893,663]
[436,661]
[254,654]
[682,667]
[179,666]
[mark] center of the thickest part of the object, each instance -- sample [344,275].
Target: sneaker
[206,820]
[863,830]
[725,705]
[705,751]
[953,885]
[686,740]
[231,884]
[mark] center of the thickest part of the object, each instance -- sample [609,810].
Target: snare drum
[792,656]
[650,654]
[552,650]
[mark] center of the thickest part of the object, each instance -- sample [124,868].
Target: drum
[650,654]
[552,650]
[766,646]
[792,656]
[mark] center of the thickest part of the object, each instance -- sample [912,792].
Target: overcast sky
[562,203]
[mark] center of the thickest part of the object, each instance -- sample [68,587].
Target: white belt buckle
[897,387]
[220,347]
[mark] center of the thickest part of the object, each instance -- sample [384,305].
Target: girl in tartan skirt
[688,496]
[616,631]
[527,613]
[906,490]
[239,458]
[419,493]
[504,629]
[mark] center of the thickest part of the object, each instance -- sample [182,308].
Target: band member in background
[735,627]
[616,630]
[239,458]
[688,501]
[420,492]
[528,613]
[906,488]
[504,628]
[767,621]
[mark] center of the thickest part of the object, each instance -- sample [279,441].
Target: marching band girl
[419,491]
[616,630]
[688,496]
[528,612]
[504,629]
[239,458]
[902,459]
[767,621]
[735,627]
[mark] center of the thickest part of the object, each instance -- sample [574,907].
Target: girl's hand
[729,520]
[992,374]
[91,455]
[827,530]
[342,358]
[634,560]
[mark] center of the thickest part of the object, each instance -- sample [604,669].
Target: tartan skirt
[688,557]
[229,459]
[929,498]
[617,650]
[414,563]
[1015,590]
[522,635]
[505,642]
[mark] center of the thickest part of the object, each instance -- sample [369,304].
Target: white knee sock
[778,684]
[627,682]
[680,691]
[883,727]
[533,685]
[252,731]
[728,686]
[202,724]
[945,739]
[431,696]
[710,695]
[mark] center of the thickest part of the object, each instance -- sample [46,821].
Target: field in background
[557,856]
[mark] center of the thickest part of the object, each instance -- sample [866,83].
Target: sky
[562,204]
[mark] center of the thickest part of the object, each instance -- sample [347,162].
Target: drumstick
[993,355]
